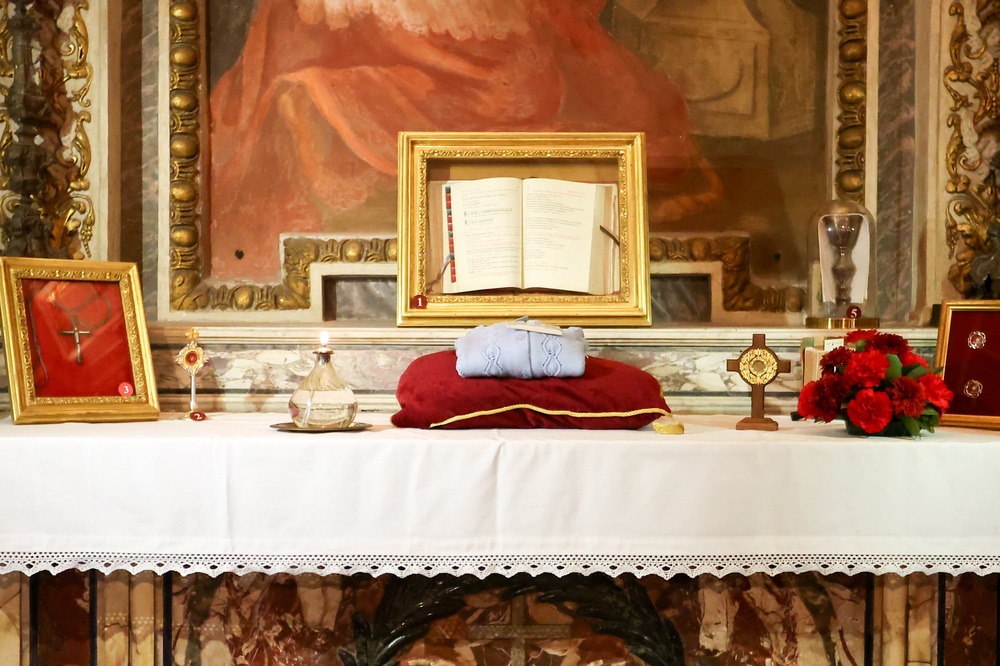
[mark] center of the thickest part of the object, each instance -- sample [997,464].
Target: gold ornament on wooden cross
[758,366]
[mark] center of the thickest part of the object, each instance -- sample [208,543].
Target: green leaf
[916,371]
[912,426]
[895,370]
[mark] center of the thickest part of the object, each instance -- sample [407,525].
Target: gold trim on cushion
[550,412]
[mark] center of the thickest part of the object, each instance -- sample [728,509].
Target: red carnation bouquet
[878,385]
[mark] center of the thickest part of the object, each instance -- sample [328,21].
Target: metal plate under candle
[291,427]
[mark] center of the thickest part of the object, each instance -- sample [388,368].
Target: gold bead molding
[852,51]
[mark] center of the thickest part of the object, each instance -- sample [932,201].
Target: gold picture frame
[433,163]
[968,353]
[75,341]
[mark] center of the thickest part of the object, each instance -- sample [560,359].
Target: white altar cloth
[232,494]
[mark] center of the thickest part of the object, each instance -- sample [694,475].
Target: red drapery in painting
[304,125]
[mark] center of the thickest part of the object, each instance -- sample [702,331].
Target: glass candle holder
[323,399]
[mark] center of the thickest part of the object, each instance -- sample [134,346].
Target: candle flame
[324,338]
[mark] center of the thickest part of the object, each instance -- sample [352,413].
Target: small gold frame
[75,341]
[968,353]
[616,158]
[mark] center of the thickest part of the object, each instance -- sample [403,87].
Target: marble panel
[10,618]
[149,133]
[970,617]
[896,162]
[780,621]
[353,299]
[680,299]
[259,619]
[921,619]
[63,617]
[784,620]
[248,377]
[130,137]
[115,619]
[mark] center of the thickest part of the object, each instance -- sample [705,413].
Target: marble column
[896,136]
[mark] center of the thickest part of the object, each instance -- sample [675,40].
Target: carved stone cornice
[972,80]
[852,97]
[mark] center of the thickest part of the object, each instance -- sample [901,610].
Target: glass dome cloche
[842,267]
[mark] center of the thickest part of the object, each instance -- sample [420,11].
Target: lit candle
[324,339]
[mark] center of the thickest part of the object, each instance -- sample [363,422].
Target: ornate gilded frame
[65,77]
[624,152]
[136,402]
[187,289]
[972,355]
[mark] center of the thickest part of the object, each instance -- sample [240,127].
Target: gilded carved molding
[852,54]
[972,214]
[189,291]
[64,77]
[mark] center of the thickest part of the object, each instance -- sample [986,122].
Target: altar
[403,516]
[254,183]
[233,495]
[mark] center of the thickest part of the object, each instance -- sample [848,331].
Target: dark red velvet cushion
[607,396]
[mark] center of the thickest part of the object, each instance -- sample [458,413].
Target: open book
[536,233]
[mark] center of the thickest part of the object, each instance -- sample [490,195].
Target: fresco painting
[307,98]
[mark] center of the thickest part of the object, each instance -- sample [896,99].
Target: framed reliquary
[495,225]
[75,341]
[968,351]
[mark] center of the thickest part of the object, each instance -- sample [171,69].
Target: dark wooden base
[762,423]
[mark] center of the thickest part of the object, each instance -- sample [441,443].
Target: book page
[560,234]
[605,269]
[484,221]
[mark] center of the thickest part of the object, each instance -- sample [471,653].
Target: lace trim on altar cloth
[485,565]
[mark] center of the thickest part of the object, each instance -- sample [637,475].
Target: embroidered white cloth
[232,494]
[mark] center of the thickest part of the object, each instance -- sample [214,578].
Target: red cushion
[607,396]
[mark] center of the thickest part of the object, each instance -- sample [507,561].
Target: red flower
[835,358]
[870,410]
[807,401]
[909,358]
[888,343]
[908,397]
[858,336]
[938,394]
[866,368]
[821,399]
